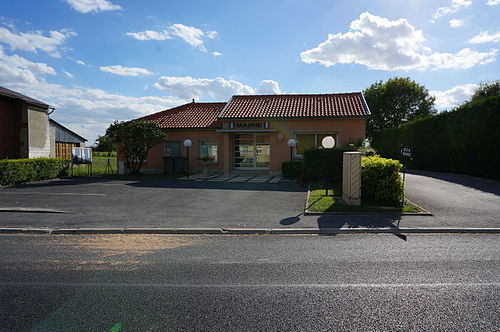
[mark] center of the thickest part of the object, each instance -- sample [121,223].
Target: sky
[97,61]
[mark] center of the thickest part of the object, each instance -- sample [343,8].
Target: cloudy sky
[98,61]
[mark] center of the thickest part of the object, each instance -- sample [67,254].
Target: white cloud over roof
[381,44]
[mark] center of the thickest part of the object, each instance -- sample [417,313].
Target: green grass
[320,202]
[98,166]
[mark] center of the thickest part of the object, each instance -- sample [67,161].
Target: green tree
[104,144]
[486,90]
[395,102]
[133,140]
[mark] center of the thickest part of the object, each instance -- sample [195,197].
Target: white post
[351,178]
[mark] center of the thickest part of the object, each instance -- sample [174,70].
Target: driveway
[101,202]
[454,200]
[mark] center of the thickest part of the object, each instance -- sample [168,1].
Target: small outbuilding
[64,140]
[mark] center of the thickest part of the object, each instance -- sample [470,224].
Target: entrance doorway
[251,151]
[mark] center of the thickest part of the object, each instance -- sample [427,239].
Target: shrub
[380,181]
[292,169]
[26,170]
[320,162]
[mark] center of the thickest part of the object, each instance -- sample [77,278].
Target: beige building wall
[38,134]
[348,130]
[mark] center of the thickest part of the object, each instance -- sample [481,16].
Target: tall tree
[133,140]
[395,102]
[486,90]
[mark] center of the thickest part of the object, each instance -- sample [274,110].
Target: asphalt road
[455,201]
[250,283]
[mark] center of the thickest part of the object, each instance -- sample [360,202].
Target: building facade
[24,126]
[63,140]
[250,133]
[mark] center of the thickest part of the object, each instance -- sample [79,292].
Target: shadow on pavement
[486,185]
[165,183]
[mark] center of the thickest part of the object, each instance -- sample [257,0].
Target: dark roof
[16,95]
[192,115]
[296,106]
[67,129]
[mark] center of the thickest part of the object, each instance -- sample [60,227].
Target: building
[24,126]
[63,140]
[250,133]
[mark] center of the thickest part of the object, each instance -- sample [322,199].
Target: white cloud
[268,87]
[191,35]
[455,23]
[217,88]
[455,6]
[86,110]
[485,37]
[68,74]
[96,6]
[493,2]
[454,96]
[188,87]
[15,69]
[216,53]
[125,71]
[80,62]
[34,41]
[381,44]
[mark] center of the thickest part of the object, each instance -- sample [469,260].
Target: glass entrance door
[251,151]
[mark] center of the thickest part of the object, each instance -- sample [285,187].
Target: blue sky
[98,61]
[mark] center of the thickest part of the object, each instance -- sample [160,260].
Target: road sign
[406,151]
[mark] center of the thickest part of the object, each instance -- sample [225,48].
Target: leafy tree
[486,90]
[133,140]
[104,144]
[395,102]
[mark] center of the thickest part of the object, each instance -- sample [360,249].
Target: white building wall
[38,134]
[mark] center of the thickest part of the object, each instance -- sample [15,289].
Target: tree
[104,144]
[486,90]
[395,102]
[133,140]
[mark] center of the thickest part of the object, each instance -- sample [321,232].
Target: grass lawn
[98,166]
[320,202]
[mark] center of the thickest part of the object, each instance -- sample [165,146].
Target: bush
[27,170]
[317,160]
[292,169]
[380,181]
[465,140]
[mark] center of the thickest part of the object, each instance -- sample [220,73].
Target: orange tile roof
[296,106]
[192,115]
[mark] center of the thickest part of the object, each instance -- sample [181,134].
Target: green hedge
[466,140]
[320,162]
[380,181]
[27,170]
[292,169]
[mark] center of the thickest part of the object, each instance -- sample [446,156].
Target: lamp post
[291,144]
[328,142]
[187,144]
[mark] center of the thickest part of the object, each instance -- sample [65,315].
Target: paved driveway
[456,200]
[98,202]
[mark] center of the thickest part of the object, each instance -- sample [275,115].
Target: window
[208,149]
[172,149]
[307,141]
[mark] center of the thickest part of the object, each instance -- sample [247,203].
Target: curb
[246,231]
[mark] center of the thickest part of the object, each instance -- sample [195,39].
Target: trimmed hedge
[317,160]
[465,141]
[26,170]
[292,169]
[380,181]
